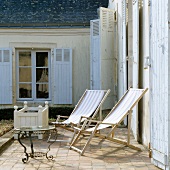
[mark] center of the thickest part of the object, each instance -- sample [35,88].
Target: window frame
[33,66]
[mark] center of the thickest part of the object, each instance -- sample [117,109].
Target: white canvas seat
[113,119]
[88,105]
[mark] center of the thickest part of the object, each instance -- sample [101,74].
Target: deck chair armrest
[85,117]
[108,123]
[89,118]
[76,128]
[94,121]
[59,116]
[64,116]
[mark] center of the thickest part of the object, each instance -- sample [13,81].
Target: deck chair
[89,105]
[113,119]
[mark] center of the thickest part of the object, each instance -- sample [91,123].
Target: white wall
[77,39]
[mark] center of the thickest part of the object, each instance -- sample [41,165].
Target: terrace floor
[101,154]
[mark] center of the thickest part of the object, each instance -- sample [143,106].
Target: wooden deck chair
[113,119]
[89,105]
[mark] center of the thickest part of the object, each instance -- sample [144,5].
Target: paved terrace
[101,155]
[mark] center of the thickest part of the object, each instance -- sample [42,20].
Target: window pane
[41,59]
[25,58]
[41,75]
[66,55]
[25,91]
[6,55]
[0,55]
[58,55]
[25,75]
[42,90]
[66,58]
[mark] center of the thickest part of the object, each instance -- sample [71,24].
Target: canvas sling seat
[113,119]
[89,105]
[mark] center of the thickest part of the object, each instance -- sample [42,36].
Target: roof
[49,13]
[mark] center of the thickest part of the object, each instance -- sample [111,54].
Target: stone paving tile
[101,154]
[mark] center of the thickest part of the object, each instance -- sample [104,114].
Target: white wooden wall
[160,83]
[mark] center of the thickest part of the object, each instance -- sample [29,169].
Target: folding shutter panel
[107,19]
[95,54]
[159,83]
[62,76]
[5,76]
[135,62]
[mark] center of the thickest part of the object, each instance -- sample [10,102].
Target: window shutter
[107,19]
[95,54]
[135,67]
[62,76]
[5,76]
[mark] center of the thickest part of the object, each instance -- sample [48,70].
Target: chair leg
[88,142]
[75,131]
[113,133]
[90,138]
[129,126]
[73,140]
[100,114]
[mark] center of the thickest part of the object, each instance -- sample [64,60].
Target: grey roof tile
[50,13]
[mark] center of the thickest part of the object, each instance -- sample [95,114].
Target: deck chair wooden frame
[89,105]
[113,119]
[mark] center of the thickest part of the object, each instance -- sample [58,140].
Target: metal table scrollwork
[28,132]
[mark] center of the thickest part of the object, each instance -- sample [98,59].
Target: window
[33,74]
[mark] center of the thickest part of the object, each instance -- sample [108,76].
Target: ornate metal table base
[28,133]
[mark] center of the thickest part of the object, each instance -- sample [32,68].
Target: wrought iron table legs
[34,154]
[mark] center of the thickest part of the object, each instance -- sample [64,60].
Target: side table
[28,132]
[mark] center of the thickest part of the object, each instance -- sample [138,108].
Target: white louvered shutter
[5,76]
[95,54]
[107,19]
[62,76]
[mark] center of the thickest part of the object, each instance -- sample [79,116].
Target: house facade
[45,51]
[45,54]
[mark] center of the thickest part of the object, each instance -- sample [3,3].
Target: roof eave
[44,25]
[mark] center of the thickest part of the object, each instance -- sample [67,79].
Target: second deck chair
[88,105]
[113,119]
